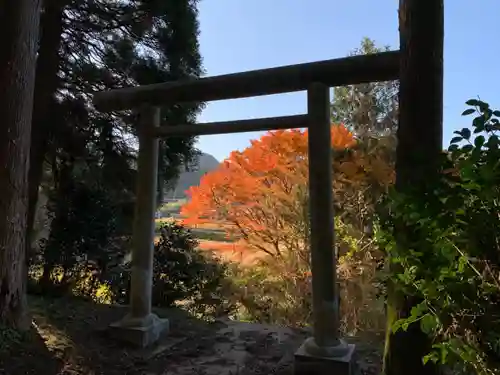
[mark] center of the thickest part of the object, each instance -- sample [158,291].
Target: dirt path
[69,337]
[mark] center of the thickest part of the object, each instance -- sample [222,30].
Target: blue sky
[240,35]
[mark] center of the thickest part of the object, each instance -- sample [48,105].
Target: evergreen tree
[88,46]
[368,109]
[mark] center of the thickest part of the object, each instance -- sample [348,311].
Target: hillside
[188,178]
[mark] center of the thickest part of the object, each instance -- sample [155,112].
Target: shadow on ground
[75,333]
[27,354]
[70,337]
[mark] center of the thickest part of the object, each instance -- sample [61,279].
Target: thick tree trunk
[19,21]
[419,146]
[46,84]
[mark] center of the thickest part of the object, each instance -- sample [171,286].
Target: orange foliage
[262,190]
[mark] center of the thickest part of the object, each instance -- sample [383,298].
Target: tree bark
[19,22]
[46,84]
[420,138]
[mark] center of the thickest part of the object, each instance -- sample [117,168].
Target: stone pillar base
[328,361]
[139,332]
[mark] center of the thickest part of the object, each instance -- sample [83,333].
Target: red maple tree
[262,190]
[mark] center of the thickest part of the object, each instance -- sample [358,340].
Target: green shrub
[83,238]
[181,272]
[160,223]
[448,257]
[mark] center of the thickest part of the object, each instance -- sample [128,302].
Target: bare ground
[69,337]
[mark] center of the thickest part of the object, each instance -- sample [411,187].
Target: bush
[182,274]
[270,294]
[278,291]
[83,237]
[85,283]
[449,255]
[159,223]
[362,306]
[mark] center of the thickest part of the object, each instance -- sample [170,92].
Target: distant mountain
[206,163]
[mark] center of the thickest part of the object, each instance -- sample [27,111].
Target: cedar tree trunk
[19,21]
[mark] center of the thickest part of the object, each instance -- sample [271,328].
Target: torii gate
[325,352]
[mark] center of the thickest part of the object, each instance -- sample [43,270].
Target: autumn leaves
[262,190]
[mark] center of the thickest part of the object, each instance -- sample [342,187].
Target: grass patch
[212,235]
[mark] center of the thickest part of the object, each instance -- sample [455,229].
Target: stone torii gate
[143,327]
[421,98]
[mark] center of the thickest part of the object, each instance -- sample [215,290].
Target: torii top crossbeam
[336,72]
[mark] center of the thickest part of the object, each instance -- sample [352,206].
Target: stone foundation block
[316,364]
[140,333]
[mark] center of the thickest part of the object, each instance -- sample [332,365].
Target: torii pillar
[140,326]
[324,352]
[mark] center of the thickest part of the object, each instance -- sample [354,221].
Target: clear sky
[240,35]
